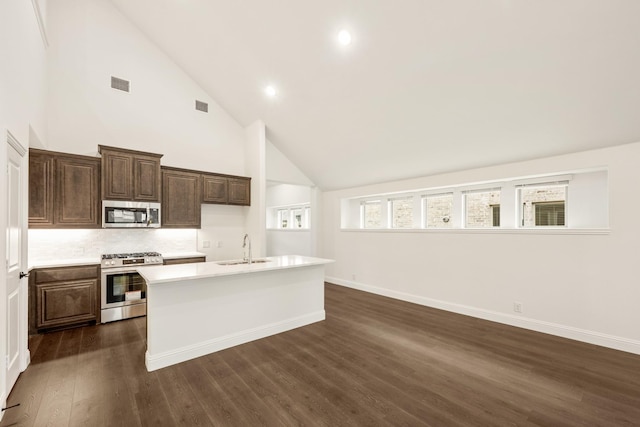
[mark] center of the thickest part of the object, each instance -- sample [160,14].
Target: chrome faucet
[244,245]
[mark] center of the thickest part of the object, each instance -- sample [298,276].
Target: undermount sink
[255,261]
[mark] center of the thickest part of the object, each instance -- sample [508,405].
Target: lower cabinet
[189,260]
[63,297]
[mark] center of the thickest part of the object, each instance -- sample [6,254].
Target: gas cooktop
[131,259]
[132,255]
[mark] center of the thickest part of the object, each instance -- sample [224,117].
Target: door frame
[8,140]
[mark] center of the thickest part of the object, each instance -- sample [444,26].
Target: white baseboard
[591,337]
[183,354]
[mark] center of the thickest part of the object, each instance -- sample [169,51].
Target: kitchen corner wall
[90,41]
[582,286]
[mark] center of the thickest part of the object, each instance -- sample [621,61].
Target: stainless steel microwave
[117,214]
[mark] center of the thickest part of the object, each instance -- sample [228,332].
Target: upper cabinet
[224,189]
[64,190]
[214,189]
[41,185]
[130,175]
[181,195]
[240,191]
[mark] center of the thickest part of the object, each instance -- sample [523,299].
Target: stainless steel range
[123,289]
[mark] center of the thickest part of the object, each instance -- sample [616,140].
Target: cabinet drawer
[184,260]
[66,303]
[60,274]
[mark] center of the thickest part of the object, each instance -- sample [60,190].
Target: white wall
[582,286]
[256,223]
[287,194]
[222,232]
[23,71]
[90,41]
[287,242]
[281,169]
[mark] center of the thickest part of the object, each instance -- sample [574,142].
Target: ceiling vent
[202,106]
[120,84]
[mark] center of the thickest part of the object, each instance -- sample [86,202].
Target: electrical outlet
[517,307]
[353,277]
[219,243]
[206,244]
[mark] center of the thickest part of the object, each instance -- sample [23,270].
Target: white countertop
[173,273]
[70,262]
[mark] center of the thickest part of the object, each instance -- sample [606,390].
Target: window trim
[520,213]
[289,209]
[510,205]
[424,214]
[491,206]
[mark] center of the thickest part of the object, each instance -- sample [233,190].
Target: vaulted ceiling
[426,86]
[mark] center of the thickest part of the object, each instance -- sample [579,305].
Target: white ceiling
[427,86]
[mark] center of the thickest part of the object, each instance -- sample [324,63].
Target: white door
[15,262]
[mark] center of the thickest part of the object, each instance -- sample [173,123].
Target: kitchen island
[197,309]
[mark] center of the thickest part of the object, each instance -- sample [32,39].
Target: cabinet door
[146,179]
[77,192]
[214,189]
[240,191]
[62,304]
[180,199]
[41,187]
[117,169]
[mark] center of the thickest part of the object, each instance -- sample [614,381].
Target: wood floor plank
[373,361]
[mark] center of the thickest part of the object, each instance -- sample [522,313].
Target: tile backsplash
[51,245]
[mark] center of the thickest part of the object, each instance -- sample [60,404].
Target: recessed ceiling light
[344,37]
[270,91]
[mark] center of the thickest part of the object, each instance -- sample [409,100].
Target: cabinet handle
[23,274]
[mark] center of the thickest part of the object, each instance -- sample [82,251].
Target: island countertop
[180,272]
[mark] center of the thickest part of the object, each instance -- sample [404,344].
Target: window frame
[370,202]
[522,204]
[280,213]
[465,206]
[352,217]
[390,213]
[424,214]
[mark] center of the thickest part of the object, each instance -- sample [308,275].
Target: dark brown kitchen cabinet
[189,260]
[130,175]
[214,189]
[64,190]
[240,191]
[224,189]
[63,297]
[41,187]
[77,192]
[181,195]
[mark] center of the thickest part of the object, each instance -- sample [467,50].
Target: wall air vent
[202,106]
[120,84]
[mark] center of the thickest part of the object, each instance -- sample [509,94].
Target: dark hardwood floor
[374,361]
